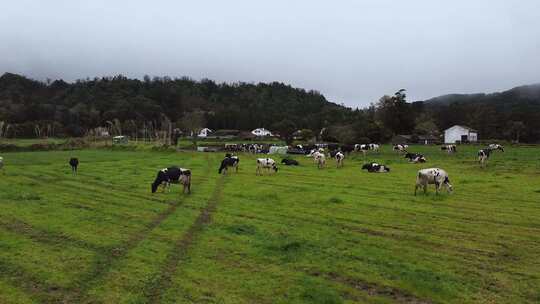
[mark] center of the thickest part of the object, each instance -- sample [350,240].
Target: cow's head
[366,166]
[154,186]
[275,168]
[447,184]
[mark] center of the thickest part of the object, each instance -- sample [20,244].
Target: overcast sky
[351,51]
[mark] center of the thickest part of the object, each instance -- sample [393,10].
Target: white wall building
[460,133]
[204,132]
[261,132]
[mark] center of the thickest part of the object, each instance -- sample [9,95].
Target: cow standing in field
[172,175]
[319,158]
[415,157]
[265,163]
[74,163]
[400,148]
[375,168]
[483,154]
[339,159]
[494,147]
[435,176]
[450,149]
[289,162]
[229,161]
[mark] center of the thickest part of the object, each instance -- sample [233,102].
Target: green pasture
[302,235]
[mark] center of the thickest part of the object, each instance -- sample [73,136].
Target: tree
[193,122]
[285,128]
[516,128]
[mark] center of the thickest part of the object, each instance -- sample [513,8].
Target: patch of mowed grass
[302,235]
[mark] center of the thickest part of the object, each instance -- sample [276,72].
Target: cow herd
[425,177]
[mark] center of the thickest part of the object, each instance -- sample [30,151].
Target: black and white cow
[401,147]
[289,162]
[494,147]
[375,168]
[449,148]
[172,175]
[319,158]
[229,161]
[483,154]
[265,163]
[366,147]
[339,159]
[435,176]
[74,163]
[415,157]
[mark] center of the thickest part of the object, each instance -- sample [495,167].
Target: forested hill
[509,114]
[30,108]
[85,104]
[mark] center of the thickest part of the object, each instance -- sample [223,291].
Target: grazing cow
[229,161]
[483,156]
[339,159]
[289,162]
[172,175]
[265,163]
[494,147]
[401,147]
[319,159]
[415,158]
[375,168]
[74,163]
[449,148]
[435,176]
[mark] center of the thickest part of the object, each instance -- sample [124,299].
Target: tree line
[154,106]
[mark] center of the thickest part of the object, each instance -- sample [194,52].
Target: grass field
[302,235]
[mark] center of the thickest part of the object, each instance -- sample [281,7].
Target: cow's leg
[416,188]
[437,187]
[425,189]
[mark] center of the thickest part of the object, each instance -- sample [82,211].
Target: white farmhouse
[261,132]
[204,132]
[460,133]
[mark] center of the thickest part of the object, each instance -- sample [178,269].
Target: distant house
[261,132]
[459,133]
[204,132]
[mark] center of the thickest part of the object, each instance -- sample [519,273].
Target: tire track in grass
[373,289]
[47,237]
[155,290]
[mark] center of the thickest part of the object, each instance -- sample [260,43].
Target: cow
[265,163]
[415,158]
[229,161]
[366,147]
[339,159]
[319,158]
[375,168]
[483,156]
[449,148]
[435,176]
[74,163]
[494,147]
[401,147]
[289,162]
[172,175]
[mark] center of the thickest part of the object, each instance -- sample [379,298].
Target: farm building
[261,132]
[204,132]
[459,133]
